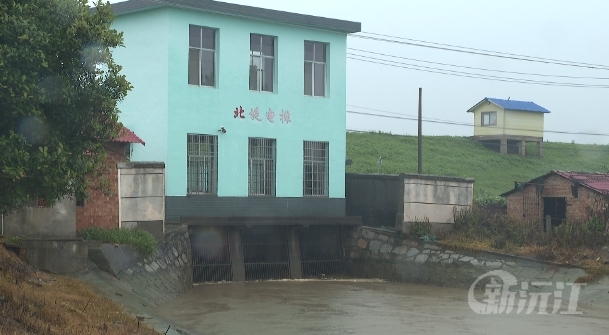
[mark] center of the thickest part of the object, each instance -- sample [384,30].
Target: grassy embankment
[461,157]
[34,302]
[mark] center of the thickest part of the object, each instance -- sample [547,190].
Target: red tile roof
[127,136]
[598,182]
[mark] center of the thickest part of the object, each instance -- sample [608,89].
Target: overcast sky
[576,31]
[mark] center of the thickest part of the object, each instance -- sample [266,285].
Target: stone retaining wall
[160,278]
[376,253]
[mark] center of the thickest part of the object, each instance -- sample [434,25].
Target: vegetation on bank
[34,302]
[143,241]
[461,157]
[576,244]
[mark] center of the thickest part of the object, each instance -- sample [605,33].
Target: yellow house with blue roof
[506,125]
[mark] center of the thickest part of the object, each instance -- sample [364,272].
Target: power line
[480,52]
[400,114]
[477,68]
[471,75]
[471,125]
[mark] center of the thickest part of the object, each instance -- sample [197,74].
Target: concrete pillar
[540,148]
[522,148]
[237,263]
[503,146]
[294,250]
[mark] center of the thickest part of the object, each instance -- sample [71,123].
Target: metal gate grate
[321,251]
[265,253]
[530,208]
[211,255]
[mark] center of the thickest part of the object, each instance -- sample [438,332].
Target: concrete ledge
[113,258]
[140,165]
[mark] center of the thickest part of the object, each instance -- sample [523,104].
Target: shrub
[589,234]
[141,240]
[12,240]
[485,199]
[419,229]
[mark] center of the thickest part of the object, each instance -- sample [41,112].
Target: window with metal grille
[315,169]
[202,56]
[202,164]
[262,63]
[314,69]
[261,166]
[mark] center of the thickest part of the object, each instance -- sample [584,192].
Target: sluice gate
[211,255]
[266,252]
[321,251]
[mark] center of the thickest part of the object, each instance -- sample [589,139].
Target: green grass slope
[462,157]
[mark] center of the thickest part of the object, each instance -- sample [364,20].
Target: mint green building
[246,107]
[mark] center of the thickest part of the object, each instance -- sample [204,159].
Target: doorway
[556,208]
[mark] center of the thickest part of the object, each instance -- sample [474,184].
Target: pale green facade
[163,108]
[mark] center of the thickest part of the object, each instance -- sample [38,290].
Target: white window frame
[201,50]
[202,164]
[316,169]
[313,63]
[260,70]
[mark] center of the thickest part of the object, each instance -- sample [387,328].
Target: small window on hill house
[202,56]
[489,118]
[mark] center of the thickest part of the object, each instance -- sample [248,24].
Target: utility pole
[420,170]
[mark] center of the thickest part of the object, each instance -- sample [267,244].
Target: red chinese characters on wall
[270,115]
[285,115]
[239,113]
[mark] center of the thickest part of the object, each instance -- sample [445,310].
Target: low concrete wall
[32,221]
[375,253]
[56,255]
[158,279]
[142,196]
[435,198]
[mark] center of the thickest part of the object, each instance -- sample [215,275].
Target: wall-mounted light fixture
[222,129]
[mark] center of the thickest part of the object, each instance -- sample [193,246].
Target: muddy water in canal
[355,307]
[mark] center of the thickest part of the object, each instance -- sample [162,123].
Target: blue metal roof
[515,105]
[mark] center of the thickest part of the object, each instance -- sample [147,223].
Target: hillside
[461,157]
[35,302]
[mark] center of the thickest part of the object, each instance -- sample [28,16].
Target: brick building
[68,216]
[572,196]
[101,209]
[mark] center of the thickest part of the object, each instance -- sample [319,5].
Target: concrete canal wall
[377,253]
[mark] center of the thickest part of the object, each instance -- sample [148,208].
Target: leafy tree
[59,89]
